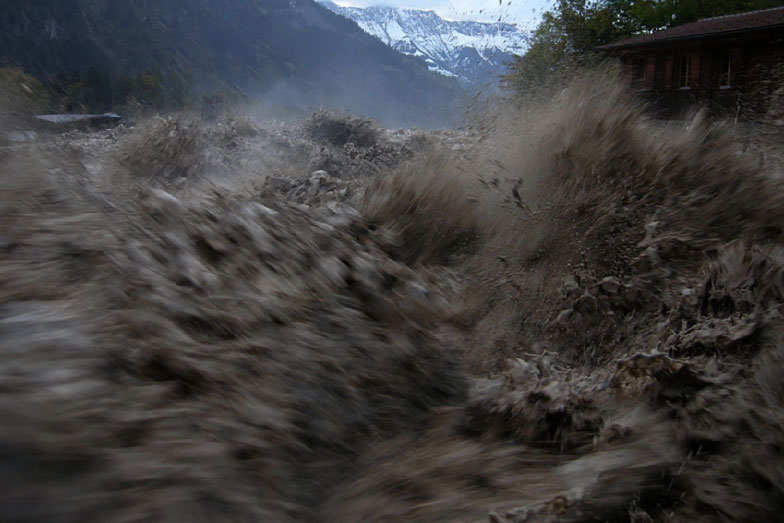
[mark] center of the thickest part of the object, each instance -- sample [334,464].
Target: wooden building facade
[733,65]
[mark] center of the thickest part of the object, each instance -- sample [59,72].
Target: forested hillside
[296,52]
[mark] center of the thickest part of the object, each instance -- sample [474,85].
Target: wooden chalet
[733,65]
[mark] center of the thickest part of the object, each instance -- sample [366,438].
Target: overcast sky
[523,12]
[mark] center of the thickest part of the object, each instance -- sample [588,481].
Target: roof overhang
[677,40]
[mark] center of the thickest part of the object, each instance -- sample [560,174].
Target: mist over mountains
[475,53]
[288,51]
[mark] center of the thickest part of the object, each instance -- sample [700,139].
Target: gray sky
[523,12]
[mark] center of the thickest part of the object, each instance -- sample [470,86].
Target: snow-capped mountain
[473,52]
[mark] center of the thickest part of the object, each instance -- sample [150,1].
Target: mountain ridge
[475,53]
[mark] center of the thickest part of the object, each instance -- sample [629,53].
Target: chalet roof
[720,25]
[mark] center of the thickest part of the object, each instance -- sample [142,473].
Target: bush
[21,93]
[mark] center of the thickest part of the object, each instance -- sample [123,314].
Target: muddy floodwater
[560,313]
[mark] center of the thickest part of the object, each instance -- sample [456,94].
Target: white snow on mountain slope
[473,52]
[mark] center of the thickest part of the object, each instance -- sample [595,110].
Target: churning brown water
[576,316]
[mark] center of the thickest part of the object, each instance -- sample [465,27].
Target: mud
[568,313]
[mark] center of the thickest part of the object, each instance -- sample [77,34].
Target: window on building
[643,71]
[725,71]
[685,79]
[689,71]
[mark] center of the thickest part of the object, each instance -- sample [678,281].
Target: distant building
[68,122]
[733,65]
[24,127]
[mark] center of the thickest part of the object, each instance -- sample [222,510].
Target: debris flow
[573,313]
